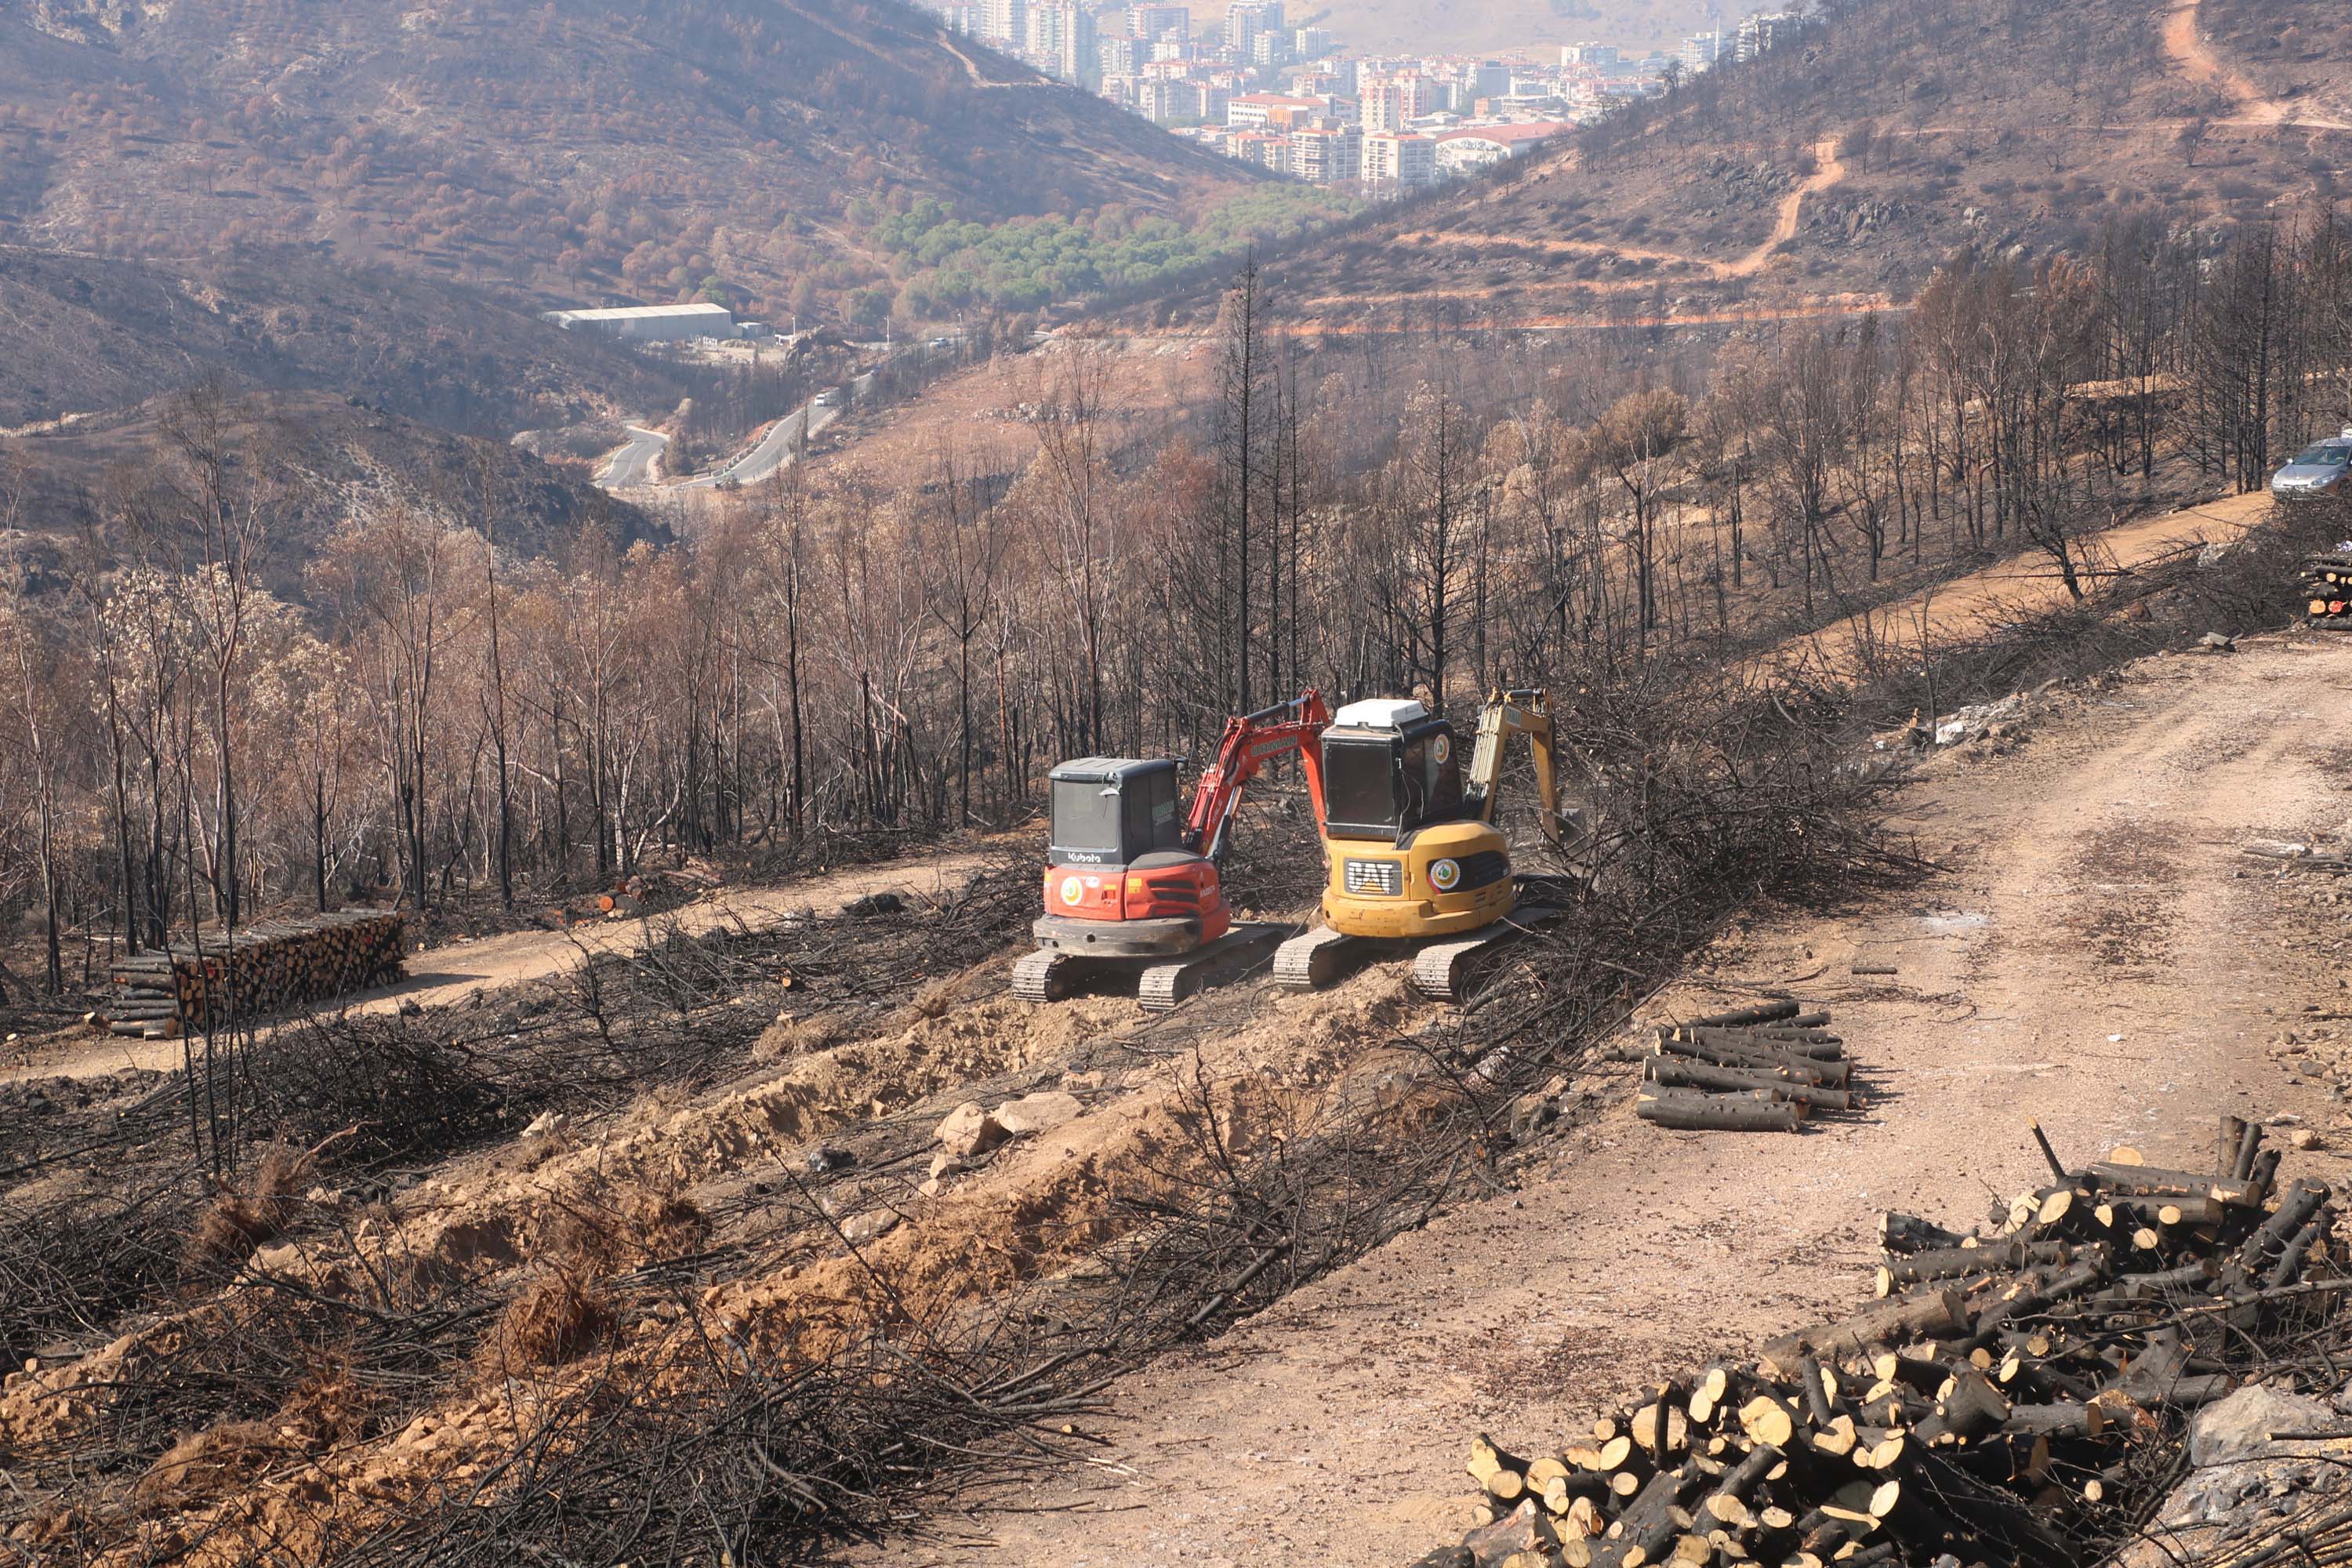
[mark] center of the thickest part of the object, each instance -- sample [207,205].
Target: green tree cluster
[948,264]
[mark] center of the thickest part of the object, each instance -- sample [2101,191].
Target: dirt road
[438,976]
[2021,584]
[1829,171]
[2098,953]
[2199,64]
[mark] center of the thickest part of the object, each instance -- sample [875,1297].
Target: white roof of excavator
[1380,713]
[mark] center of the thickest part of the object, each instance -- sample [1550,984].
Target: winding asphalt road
[629,466]
[775,450]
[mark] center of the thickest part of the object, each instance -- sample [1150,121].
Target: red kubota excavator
[1128,887]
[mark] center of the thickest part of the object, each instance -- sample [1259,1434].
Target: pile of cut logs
[1756,1069]
[265,968]
[2327,589]
[2013,1396]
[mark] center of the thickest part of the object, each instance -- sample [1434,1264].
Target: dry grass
[207,1464]
[558,1317]
[241,1218]
[607,1227]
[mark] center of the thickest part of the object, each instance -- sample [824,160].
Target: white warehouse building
[651,323]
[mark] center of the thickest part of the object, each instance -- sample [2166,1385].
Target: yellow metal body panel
[1421,910]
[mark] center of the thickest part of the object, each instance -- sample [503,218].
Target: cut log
[2232,1133]
[1647,1528]
[1721,1113]
[2289,1265]
[1680,1072]
[2300,1202]
[1820,1047]
[1797,1069]
[1971,1408]
[1954,1262]
[1907,1233]
[1765,1013]
[1931,1314]
[2149,1181]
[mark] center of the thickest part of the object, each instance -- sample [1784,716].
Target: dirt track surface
[2019,586]
[2187,46]
[2097,952]
[450,973]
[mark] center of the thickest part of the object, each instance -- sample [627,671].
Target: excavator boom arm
[1527,712]
[1250,741]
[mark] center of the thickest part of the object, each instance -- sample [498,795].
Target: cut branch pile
[1754,1069]
[2297,857]
[211,981]
[2013,1396]
[2325,588]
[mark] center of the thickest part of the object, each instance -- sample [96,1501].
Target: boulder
[2240,1427]
[871,1226]
[1037,1112]
[969,1132]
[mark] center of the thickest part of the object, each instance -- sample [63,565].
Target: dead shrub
[205,1465]
[242,1218]
[558,1317]
[608,1228]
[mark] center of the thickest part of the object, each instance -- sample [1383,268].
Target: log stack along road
[2098,953]
[269,967]
[456,971]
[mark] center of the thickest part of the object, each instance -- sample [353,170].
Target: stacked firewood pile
[1756,1069]
[2013,1396]
[2326,589]
[261,969]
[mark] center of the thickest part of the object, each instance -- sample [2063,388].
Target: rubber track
[1297,965]
[1438,968]
[1037,977]
[1165,985]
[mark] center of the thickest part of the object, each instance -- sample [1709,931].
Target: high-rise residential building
[1005,22]
[1062,39]
[1245,20]
[1701,51]
[1489,78]
[1310,42]
[1381,103]
[1041,31]
[1159,99]
[1603,55]
[1116,57]
[1398,160]
[1149,24]
[1765,31]
[1327,155]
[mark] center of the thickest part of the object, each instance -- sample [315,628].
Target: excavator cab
[1118,878]
[1407,857]
[1110,811]
[1391,770]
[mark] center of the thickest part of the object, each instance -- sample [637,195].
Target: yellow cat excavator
[1413,849]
